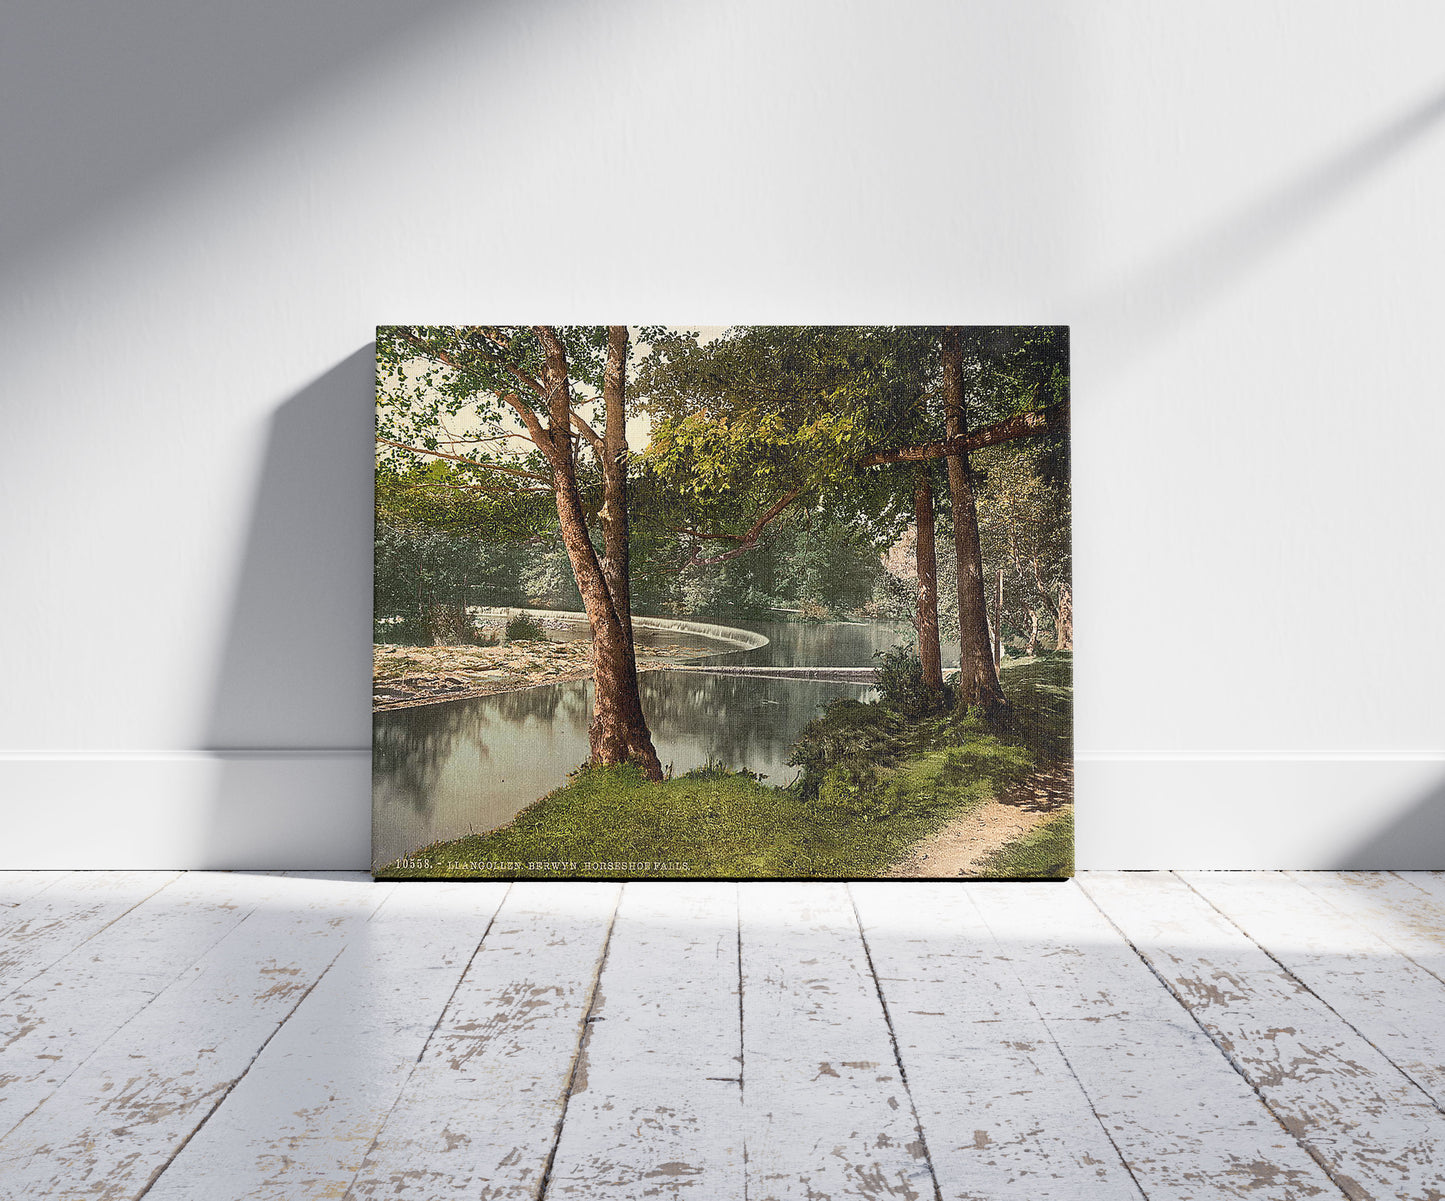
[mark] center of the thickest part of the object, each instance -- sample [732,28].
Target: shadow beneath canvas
[290,717]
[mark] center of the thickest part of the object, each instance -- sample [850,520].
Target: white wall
[208,206]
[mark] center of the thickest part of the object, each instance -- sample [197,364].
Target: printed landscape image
[723,602]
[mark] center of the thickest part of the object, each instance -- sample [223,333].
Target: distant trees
[1024,527]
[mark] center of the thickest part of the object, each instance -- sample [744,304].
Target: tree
[930,654]
[763,419]
[977,677]
[515,389]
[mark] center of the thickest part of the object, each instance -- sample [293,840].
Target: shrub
[853,740]
[441,625]
[901,686]
[523,628]
[720,771]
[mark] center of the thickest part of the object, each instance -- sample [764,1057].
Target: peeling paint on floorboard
[1275,1036]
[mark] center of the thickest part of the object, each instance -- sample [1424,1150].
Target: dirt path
[963,846]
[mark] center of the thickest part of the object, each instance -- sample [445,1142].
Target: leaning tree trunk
[618,732]
[929,651]
[977,678]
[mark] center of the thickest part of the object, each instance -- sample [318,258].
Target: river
[468,766]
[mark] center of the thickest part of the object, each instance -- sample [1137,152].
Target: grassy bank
[611,823]
[1048,852]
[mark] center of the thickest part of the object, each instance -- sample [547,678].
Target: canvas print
[744,602]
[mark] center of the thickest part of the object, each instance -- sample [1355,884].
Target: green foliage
[1024,530]
[808,565]
[1046,853]
[770,410]
[719,771]
[437,625]
[523,628]
[851,741]
[901,686]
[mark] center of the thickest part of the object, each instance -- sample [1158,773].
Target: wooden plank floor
[1182,1036]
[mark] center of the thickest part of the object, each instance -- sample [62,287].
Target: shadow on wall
[1154,301]
[290,717]
[1415,841]
[105,100]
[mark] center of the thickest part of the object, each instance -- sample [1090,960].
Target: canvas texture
[744,602]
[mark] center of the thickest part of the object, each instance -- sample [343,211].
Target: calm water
[468,766]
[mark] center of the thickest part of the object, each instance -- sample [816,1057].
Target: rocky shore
[405,676]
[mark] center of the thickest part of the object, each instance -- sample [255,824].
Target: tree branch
[559,390]
[447,359]
[441,454]
[482,488]
[1021,426]
[749,537]
[531,383]
[592,436]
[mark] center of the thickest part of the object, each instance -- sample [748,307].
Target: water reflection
[468,766]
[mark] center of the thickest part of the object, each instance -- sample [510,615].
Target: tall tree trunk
[1064,622]
[618,732]
[616,553]
[1033,631]
[977,678]
[929,650]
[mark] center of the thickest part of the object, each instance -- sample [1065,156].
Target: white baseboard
[186,809]
[1304,810]
[311,809]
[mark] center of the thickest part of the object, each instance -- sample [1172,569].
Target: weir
[846,675]
[748,640]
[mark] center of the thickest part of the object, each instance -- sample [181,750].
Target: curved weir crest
[748,640]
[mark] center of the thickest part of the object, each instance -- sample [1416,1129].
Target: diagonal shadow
[1414,842]
[101,100]
[1151,303]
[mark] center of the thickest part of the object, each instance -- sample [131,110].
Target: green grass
[1045,853]
[611,823]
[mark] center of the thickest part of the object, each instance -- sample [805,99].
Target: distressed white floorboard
[300,1122]
[15,887]
[226,1036]
[50,1025]
[1186,1124]
[480,1113]
[49,924]
[1430,883]
[827,1113]
[1402,908]
[124,1113]
[1394,1004]
[1002,1115]
[656,1106]
[1378,1134]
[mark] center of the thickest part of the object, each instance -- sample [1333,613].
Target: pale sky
[639,427]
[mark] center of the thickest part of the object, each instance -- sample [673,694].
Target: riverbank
[407,676]
[715,823]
